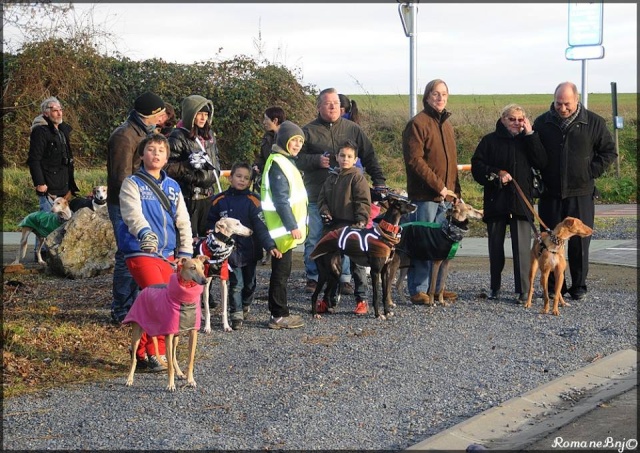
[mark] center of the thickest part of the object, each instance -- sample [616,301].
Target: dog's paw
[228,328]
[171,387]
[191,383]
[129,382]
[317,316]
[392,305]
[206,329]
[382,317]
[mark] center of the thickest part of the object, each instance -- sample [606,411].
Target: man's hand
[324,160]
[149,242]
[296,234]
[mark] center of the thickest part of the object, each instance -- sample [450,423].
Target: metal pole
[585,94]
[614,110]
[413,44]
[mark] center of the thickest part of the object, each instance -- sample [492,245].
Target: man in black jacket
[50,159]
[579,149]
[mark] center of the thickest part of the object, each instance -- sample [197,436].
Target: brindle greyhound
[373,247]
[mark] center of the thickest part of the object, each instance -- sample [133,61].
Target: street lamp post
[408,15]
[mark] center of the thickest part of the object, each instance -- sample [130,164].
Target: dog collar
[222,237]
[100,202]
[389,228]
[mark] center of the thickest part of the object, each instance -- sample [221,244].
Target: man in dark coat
[579,150]
[50,158]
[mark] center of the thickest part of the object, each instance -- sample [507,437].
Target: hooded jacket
[346,196]
[430,155]
[50,158]
[576,157]
[500,150]
[322,137]
[193,181]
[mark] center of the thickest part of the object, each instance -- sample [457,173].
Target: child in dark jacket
[345,200]
[239,202]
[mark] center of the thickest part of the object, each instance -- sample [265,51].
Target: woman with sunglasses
[502,156]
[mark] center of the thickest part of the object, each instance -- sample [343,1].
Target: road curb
[522,420]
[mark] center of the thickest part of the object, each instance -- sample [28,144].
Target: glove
[149,242]
[359,225]
[200,160]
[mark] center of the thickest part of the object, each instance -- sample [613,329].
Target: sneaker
[286,322]
[155,366]
[494,295]
[142,363]
[311,286]
[362,308]
[236,324]
[321,306]
[346,288]
[245,312]
[420,298]
[449,295]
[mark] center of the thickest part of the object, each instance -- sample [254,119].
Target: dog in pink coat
[169,310]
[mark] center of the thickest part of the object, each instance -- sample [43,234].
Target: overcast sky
[507,48]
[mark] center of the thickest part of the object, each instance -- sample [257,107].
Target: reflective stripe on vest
[297,200]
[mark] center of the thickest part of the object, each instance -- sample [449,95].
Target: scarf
[137,120]
[564,123]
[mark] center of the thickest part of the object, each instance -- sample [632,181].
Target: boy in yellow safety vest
[284,204]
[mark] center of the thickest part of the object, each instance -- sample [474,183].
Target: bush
[97,93]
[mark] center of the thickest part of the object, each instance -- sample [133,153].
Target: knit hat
[148,104]
[287,131]
[193,104]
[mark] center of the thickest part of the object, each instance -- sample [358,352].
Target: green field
[491,105]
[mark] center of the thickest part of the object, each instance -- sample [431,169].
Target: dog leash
[523,200]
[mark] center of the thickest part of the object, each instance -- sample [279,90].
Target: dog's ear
[569,221]
[202,258]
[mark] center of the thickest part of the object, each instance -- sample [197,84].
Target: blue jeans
[242,287]
[125,289]
[419,274]
[314,235]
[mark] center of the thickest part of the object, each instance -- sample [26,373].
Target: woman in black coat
[506,154]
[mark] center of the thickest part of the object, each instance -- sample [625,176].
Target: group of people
[164,190]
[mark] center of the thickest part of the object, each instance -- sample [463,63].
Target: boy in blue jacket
[239,202]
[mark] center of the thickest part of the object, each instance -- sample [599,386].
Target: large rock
[84,246]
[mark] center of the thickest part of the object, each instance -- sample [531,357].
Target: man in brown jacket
[431,162]
[122,161]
